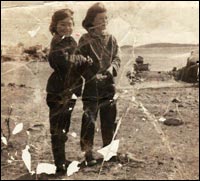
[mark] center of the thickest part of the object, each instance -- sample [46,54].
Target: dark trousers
[108,113]
[60,117]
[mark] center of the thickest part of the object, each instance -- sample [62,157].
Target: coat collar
[57,38]
[100,36]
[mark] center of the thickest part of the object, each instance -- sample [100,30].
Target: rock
[11,84]
[173,122]
[164,92]
[176,100]
[160,163]
[38,125]
[7,58]
[180,105]
[22,85]
[30,129]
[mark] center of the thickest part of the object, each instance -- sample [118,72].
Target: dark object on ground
[139,60]
[31,50]
[173,122]
[133,77]
[11,85]
[176,100]
[6,58]
[189,73]
[22,85]
[22,53]
[174,69]
[186,74]
[37,52]
[141,67]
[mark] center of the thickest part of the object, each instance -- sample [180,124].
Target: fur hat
[91,14]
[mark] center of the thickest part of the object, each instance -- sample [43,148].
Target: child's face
[100,22]
[65,27]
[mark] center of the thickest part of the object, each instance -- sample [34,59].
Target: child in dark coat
[99,87]
[65,83]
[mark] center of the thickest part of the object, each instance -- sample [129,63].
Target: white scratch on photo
[72,168]
[33,33]
[18,128]
[45,168]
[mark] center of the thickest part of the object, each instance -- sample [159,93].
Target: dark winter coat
[104,52]
[66,79]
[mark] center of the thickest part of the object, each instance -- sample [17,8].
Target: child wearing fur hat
[99,88]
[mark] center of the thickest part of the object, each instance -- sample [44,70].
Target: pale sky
[132,22]
[173,22]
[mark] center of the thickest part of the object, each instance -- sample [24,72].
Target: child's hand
[89,60]
[84,60]
[79,59]
[100,77]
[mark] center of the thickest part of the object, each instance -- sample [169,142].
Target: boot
[61,170]
[89,158]
[58,149]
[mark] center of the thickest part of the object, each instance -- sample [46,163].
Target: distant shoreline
[167,45]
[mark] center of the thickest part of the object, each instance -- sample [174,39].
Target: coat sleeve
[82,52]
[115,57]
[60,60]
[57,56]
[82,48]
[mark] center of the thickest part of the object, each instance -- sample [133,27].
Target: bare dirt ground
[148,149]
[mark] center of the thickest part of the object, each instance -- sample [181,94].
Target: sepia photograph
[99,90]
